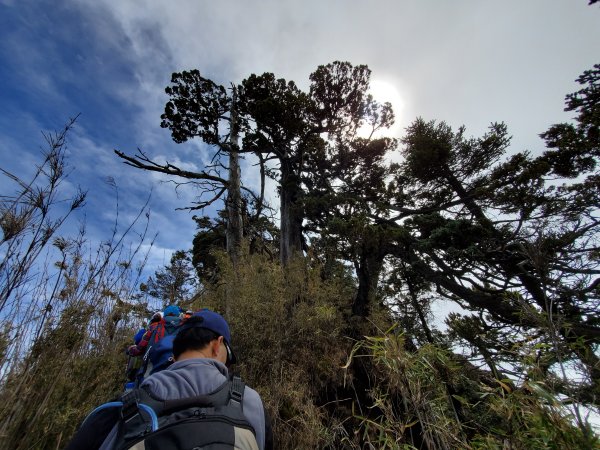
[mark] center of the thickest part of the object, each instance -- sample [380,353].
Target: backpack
[215,421]
[159,354]
[134,363]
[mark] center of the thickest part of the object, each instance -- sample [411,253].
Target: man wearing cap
[202,352]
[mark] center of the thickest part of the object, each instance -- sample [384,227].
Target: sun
[384,91]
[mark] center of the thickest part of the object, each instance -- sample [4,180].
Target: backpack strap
[142,371]
[236,391]
[142,413]
[158,333]
[130,405]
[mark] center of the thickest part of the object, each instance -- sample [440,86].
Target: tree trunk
[291,214]
[368,269]
[415,304]
[234,233]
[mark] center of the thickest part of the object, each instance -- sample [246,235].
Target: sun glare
[384,91]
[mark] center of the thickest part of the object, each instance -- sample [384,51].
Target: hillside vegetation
[330,307]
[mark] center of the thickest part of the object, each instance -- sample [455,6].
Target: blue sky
[465,62]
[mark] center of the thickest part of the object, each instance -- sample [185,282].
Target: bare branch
[141,161]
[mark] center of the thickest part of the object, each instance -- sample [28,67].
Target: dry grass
[66,309]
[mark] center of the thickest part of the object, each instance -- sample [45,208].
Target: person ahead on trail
[202,351]
[194,403]
[160,324]
[139,335]
[157,343]
[134,363]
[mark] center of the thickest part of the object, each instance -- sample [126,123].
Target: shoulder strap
[236,390]
[142,414]
[158,332]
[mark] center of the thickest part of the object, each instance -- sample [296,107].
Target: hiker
[137,338]
[160,323]
[157,344]
[202,351]
[134,363]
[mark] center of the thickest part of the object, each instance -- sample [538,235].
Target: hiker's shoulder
[186,378]
[252,399]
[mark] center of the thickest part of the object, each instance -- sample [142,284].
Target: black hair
[192,337]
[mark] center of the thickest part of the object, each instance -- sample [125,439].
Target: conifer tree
[278,123]
[513,239]
[175,283]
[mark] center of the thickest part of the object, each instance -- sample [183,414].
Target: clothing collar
[200,362]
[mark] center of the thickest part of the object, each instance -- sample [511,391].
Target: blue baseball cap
[171,310]
[216,323]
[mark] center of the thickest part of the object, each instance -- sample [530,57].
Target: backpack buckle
[236,396]
[130,406]
[236,393]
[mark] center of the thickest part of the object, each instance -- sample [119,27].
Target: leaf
[505,386]
[461,399]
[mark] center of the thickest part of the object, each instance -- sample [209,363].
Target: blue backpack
[159,355]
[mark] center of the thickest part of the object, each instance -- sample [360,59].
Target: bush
[287,329]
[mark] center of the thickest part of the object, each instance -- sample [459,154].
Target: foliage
[261,236]
[432,395]
[501,236]
[31,217]
[209,238]
[63,325]
[175,283]
[287,329]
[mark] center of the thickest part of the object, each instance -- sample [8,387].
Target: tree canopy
[509,236]
[373,235]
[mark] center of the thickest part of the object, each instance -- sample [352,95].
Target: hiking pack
[140,421]
[159,354]
[134,363]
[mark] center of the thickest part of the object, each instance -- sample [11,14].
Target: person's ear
[216,346]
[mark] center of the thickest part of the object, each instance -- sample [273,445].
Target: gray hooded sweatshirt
[201,376]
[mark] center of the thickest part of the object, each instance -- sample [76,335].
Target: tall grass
[287,329]
[433,399]
[66,307]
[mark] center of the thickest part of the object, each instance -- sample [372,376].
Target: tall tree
[279,123]
[295,128]
[198,107]
[514,239]
[277,129]
[175,283]
[346,187]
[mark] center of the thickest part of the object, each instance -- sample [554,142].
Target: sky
[466,62]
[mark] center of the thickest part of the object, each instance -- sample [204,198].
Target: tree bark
[291,214]
[235,226]
[234,232]
[368,268]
